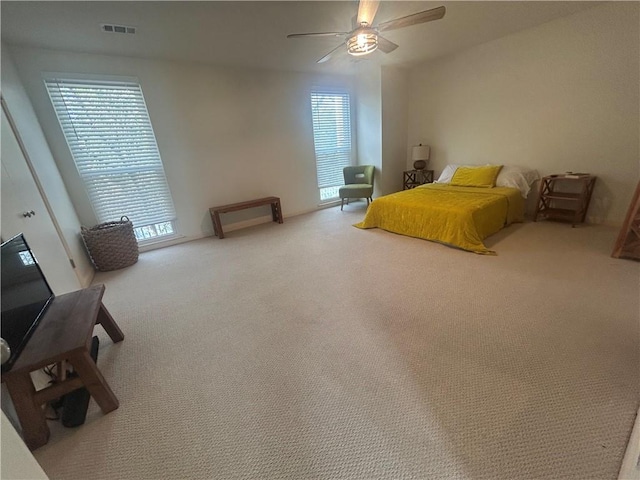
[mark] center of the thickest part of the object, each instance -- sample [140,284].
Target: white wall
[561,96]
[382,102]
[395,98]
[369,120]
[48,177]
[224,135]
[17,461]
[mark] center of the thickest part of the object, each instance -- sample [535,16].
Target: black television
[26,294]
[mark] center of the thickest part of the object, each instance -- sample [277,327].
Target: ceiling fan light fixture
[365,38]
[363,42]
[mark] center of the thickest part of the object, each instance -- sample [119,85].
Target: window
[332,139]
[109,133]
[26,258]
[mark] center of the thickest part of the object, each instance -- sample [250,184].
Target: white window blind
[332,137]
[109,133]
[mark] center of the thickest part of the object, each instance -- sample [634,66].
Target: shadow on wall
[531,202]
[601,201]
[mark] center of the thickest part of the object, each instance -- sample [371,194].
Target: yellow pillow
[476,176]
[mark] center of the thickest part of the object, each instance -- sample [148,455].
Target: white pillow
[511,176]
[521,178]
[447,174]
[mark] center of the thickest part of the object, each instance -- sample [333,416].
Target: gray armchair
[358,183]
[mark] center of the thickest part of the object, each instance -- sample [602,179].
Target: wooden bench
[276,211]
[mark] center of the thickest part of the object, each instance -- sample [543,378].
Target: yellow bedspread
[458,216]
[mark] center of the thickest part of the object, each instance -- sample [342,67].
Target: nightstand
[415,178]
[565,197]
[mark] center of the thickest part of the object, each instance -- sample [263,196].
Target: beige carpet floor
[315,350]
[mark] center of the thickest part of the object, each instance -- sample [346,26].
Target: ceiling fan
[365,38]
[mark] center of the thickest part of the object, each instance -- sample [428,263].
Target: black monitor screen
[25,295]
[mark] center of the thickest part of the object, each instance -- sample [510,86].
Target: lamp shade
[420,152]
[420,155]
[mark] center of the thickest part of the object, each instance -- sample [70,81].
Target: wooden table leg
[94,381]
[213,222]
[35,430]
[276,210]
[217,225]
[109,324]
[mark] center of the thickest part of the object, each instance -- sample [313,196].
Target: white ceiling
[253,34]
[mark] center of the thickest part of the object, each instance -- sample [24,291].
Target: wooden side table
[415,178]
[565,198]
[63,334]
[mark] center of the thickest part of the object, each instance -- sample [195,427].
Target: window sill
[159,242]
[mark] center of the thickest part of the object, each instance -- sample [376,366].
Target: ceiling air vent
[110,28]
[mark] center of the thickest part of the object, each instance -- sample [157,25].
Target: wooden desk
[63,334]
[276,211]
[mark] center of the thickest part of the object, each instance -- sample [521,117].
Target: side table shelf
[565,198]
[415,178]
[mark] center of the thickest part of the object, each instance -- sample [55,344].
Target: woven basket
[111,245]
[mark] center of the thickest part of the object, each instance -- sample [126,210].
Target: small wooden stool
[63,334]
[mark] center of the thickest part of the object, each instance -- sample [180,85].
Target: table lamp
[420,156]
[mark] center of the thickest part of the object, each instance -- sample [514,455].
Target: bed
[459,216]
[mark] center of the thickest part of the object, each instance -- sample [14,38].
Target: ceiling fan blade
[319,34]
[420,17]
[328,56]
[385,45]
[367,11]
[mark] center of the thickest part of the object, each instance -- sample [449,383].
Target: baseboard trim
[228,228]
[167,243]
[85,280]
[630,469]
